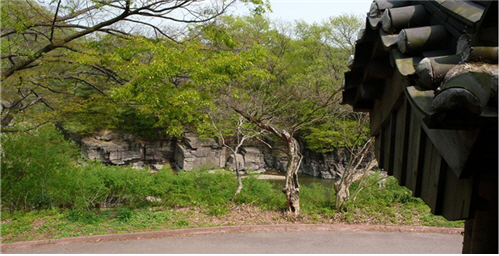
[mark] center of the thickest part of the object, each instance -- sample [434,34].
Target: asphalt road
[288,242]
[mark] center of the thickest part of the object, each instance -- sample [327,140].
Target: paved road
[310,241]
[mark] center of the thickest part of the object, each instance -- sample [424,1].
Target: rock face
[192,152]
[322,165]
[317,165]
[253,159]
[231,163]
[121,148]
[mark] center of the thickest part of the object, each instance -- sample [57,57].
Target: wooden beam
[349,96]
[433,182]
[391,99]
[457,197]
[401,143]
[389,134]
[415,154]
[377,149]
[353,78]
[377,69]
[454,146]
[372,91]
[386,148]
[362,53]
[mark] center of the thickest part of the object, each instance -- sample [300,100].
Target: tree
[280,84]
[356,160]
[343,30]
[32,19]
[231,125]
[46,49]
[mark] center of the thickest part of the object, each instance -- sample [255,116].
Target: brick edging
[232,229]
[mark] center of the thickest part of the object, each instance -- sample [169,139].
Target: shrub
[316,198]
[84,217]
[111,186]
[36,169]
[124,214]
[195,188]
[261,193]
[181,223]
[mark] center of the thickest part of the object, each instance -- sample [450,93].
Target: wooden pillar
[481,233]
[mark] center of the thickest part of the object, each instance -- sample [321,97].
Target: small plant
[181,223]
[124,215]
[81,216]
[74,215]
[218,210]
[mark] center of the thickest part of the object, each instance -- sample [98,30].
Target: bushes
[390,195]
[261,193]
[317,199]
[39,172]
[213,191]
[109,186]
[36,169]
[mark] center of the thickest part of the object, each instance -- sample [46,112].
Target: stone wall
[191,152]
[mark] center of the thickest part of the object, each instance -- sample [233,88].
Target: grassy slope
[46,195]
[390,206]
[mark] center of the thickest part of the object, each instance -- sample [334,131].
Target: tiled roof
[446,49]
[426,71]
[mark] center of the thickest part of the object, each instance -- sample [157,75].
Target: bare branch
[42,100]
[87,83]
[55,19]
[86,10]
[156,29]
[48,88]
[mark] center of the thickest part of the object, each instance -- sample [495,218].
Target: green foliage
[282,75]
[84,217]
[338,133]
[162,83]
[391,194]
[36,169]
[181,223]
[84,187]
[261,193]
[62,183]
[110,186]
[124,215]
[316,199]
[390,205]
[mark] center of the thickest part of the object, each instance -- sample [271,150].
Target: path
[261,241]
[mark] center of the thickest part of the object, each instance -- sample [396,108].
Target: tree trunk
[342,190]
[292,187]
[239,180]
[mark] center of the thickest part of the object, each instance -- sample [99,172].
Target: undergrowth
[46,195]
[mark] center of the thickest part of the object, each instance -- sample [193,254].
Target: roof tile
[422,40]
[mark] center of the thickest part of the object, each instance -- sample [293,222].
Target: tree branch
[55,19]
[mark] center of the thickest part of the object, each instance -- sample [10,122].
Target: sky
[312,11]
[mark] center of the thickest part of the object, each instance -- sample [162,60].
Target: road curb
[232,229]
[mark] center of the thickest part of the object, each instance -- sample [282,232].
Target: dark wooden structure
[426,71]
